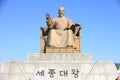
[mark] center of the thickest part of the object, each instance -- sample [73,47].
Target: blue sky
[20,22]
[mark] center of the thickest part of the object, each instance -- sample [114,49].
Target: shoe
[69,46]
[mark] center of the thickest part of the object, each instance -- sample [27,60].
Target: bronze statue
[61,30]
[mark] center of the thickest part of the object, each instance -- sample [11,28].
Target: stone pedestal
[58,67]
[60,57]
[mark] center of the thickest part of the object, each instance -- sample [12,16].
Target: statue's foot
[74,47]
[69,46]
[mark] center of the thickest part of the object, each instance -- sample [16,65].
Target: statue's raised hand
[47,16]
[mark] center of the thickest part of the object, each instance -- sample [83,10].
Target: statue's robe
[58,37]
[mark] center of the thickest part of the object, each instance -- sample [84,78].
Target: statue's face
[61,12]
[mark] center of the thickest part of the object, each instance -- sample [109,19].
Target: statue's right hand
[47,16]
[67,28]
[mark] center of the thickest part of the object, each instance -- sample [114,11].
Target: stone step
[61,50]
[60,57]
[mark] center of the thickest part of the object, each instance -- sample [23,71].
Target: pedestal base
[41,69]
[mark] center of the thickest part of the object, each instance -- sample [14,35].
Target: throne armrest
[44,31]
[77,31]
